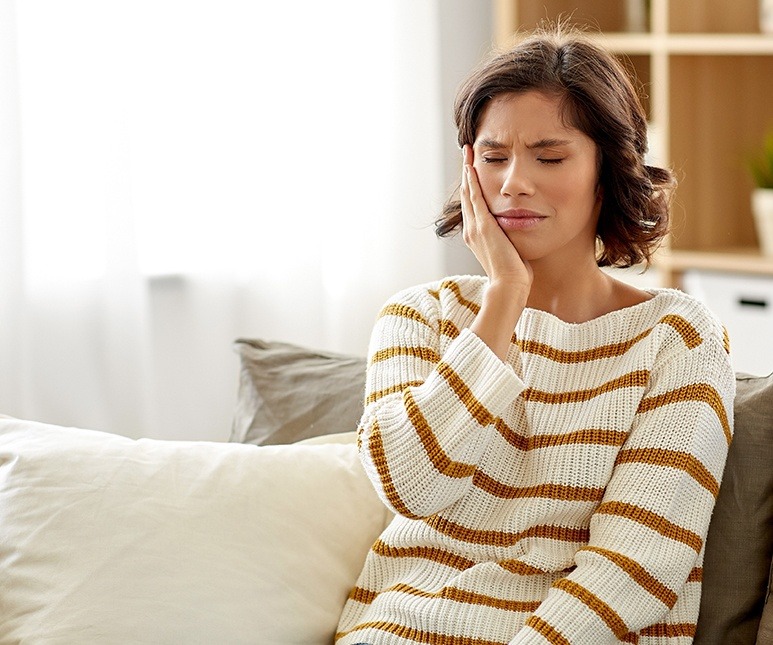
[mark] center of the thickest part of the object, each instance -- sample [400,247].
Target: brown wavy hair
[599,99]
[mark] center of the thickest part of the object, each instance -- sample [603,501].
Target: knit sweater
[561,496]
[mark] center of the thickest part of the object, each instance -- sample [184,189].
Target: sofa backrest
[737,564]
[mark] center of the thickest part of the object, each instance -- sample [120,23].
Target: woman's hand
[482,234]
[510,277]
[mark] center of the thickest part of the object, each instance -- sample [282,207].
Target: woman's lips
[519,219]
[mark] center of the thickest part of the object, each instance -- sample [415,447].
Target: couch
[105,539]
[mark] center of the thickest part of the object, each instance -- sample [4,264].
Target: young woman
[550,439]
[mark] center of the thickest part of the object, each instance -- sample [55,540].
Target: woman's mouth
[519,219]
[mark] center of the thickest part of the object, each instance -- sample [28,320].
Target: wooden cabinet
[706,75]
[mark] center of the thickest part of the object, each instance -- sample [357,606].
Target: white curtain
[179,173]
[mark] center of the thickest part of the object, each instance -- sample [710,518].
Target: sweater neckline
[658,294]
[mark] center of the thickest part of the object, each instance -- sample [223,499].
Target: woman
[550,439]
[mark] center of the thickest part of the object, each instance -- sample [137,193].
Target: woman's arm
[510,278]
[647,534]
[428,417]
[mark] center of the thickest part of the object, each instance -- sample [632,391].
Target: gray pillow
[740,539]
[288,393]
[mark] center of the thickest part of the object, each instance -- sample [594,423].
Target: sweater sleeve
[647,534]
[433,394]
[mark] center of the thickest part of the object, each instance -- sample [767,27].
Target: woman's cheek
[488,186]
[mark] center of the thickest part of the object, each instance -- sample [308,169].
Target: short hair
[598,98]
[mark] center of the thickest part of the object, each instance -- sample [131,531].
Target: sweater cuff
[491,381]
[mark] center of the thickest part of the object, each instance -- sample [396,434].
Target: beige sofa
[104,539]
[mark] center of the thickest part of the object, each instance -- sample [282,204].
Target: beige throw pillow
[107,540]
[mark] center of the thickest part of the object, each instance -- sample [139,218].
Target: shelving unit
[706,74]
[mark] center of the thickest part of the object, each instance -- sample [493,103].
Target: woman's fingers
[468,214]
[479,205]
[483,235]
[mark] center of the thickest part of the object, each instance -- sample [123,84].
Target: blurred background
[177,174]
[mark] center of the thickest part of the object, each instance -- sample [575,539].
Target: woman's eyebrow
[548,143]
[490,143]
[542,143]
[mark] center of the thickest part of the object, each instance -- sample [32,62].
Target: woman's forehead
[533,115]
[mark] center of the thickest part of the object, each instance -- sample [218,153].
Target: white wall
[193,352]
[465,38]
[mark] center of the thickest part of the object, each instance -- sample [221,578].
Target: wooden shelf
[731,261]
[688,44]
[719,44]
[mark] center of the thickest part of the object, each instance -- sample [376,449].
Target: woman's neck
[583,293]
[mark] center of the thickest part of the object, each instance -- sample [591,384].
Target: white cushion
[105,539]
[338,437]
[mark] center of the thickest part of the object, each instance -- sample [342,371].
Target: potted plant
[761,167]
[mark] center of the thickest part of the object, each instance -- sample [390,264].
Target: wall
[465,39]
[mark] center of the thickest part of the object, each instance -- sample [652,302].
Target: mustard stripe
[580,356]
[632,379]
[654,521]
[639,574]
[549,490]
[432,447]
[424,353]
[431,553]
[696,575]
[452,560]
[596,604]
[688,333]
[403,311]
[398,387]
[454,288]
[448,328]
[596,436]
[515,439]
[451,593]
[669,630]
[546,631]
[702,392]
[418,636]
[459,387]
[378,456]
[505,538]
[672,459]
[363,596]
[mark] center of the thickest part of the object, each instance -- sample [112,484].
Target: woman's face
[539,177]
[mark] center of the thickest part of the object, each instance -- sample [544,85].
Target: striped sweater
[562,496]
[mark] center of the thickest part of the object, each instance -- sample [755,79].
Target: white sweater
[562,496]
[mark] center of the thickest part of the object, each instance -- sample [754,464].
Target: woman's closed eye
[550,160]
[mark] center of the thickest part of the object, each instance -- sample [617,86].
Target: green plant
[761,166]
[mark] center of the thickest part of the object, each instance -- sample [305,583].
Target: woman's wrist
[502,306]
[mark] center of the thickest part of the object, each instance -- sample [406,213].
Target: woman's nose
[516,181]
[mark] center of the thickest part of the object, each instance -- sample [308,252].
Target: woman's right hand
[510,277]
[483,236]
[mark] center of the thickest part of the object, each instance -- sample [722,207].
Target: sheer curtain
[176,174]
